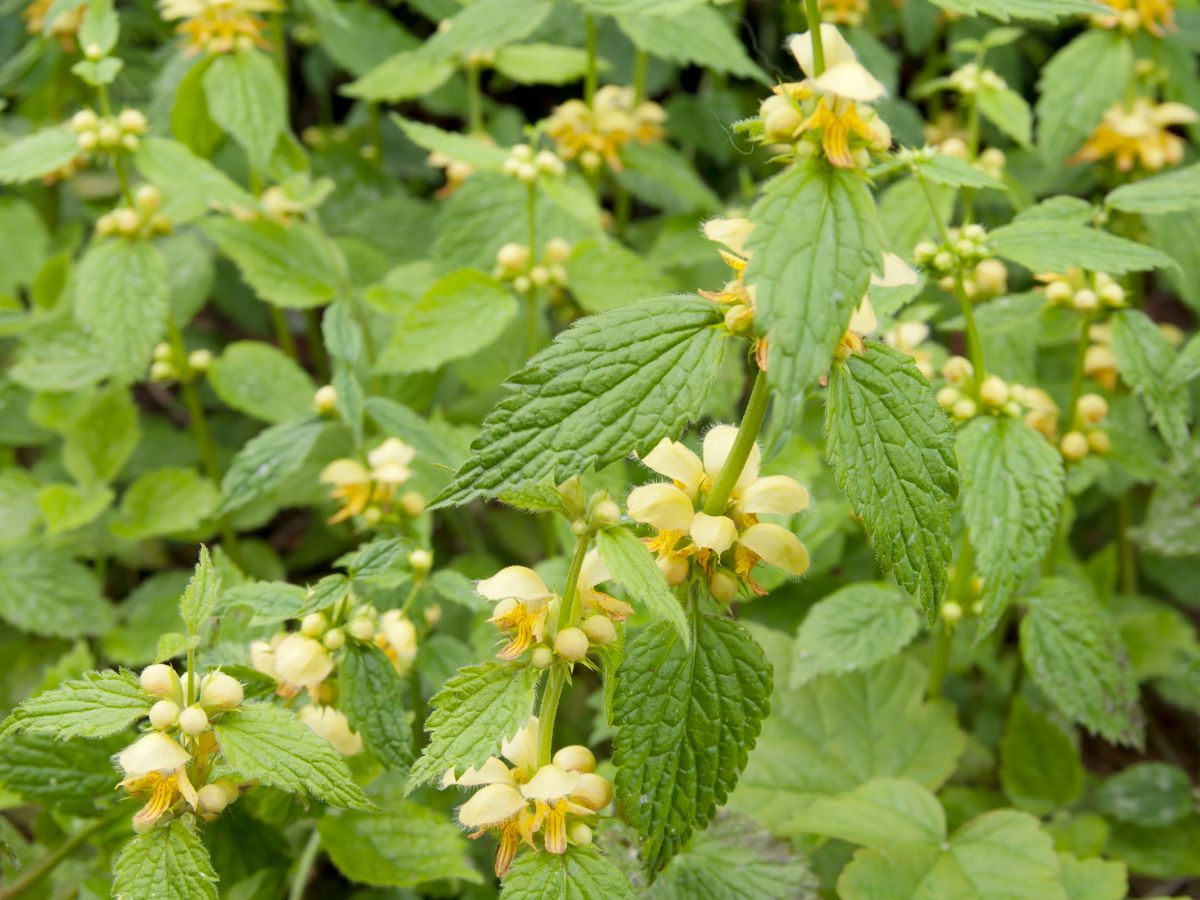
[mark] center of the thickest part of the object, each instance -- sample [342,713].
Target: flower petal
[513,582]
[716,533]
[896,273]
[152,752]
[663,506]
[863,321]
[550,783]
[776,545]
[493,771]
[302,661]
[776,494]
[522,750]
[593,571]
[677,462]
[852,81]
[837,51]
[345,471]
[718,443]
[494,804]
[732,233]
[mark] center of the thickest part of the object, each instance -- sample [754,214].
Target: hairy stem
[814,26]
[567,613]
[304,865]
[589,77]
[752,419]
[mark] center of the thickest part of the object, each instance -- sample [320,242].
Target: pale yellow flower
[1138,135]
[522,604]
[332,725]
[156,764]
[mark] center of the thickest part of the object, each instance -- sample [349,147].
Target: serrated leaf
[612,384]
[634,567]
[170,645]
[1145,359]
[191,185]
[884,813]
[70,775]
[44,591]
[262,381]
[604,274]
[94,706]
[892,453]
[1004,10]
[660,175]
[272,745]
[1150,794]
[479,153]
[582,873]
[65,507]
[199,599]
[1040,768]
[100,439]
[1042,246]
[1013,484]
[100,26]
[473,712]
[375,558]
[686,721]
[36,155]
[267,460]
[461,314]
[371,695]
[356,36]
[815,242]
[853,628]
[165,501]
[1092,879]
[121,298]
[543,63]
[1074,653]
[1063,209]
[1177,191]
[269,601]
[408,74]
[486,25]
[948,170]
[698,35]
[1083,80]
[247,98]
[1008,111]
[288,265]
[170,861]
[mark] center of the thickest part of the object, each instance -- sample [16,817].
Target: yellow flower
[64,27]
[398,639]
[220,26]
[596,133]
[332,725]
[1138,136]
[594,572]
[156,764]
[300,661]
[896,273]
[844,75]
[359,487]
[522,604]
[1155,16]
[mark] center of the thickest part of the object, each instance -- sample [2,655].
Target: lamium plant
[599,449]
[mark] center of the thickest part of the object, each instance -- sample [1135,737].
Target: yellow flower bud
[1099,441]
[147,198]
[193,721]
[571,644]
[1092,408]
[1074,445]
[556,250]
[947,397]
[1085,301]
[200,360]
[159,680]
[951,612]
[575,758]
[580,834]
[313,624]
[212,799]
[723,586]
[221,691]
[334,639]
[132,120]
[592,791]
[541,657]
[994,391]
[964,409]
[163,714]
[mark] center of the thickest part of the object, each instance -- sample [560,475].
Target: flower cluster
[990,162]
[964,398]
[141,221]
[108,134]
[1138,136]
[595,134]
[827,114]
[520,800]
[690,539]
[1082,291]
[844,12]
[526,165]
[514,263]
[370,492]
[169,365]
[166,764]
[220,26]
[64,26]
[1086,436]
[967,255]
[1155,16]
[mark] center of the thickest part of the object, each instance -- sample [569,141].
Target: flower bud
[433,614]
[575,758]
[599,630]
[606,512]
[1085,301]
[1113,294]
[955,147]
[527,173]
[951,612]
[675,568]
[212,799]
[84,120]
[957,369]
[521,152]
[521,284]
[132,120]
[262,658]
[87,140]
[947,397]
[163,714]
[159,680]
[325,399]
[108,134]
[361,629]
[943,261]
[412,503]
[964,409]
[1059,292]
[550,163]
[556,250]
[421,560]
[991,276]
[541,657]
[334,639]
[1074,446]
[580,834]
[193,721]
[221,691]
[723,586]
[1092,408]
[513,257]
[539,276]
[148,198]
[1099,441]
[924,252]
[739,318]
[571,644]
[313,624]
[126,221]
[593,791]
[163,371]
[200,360]
[994,391]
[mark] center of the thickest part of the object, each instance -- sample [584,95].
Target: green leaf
[613,384]
[699,35]
[1158,852]
[686,721]
[343,335]
[375,558]
[247,98]
[486,25]
[1042,246]
[94,706]
[1083,80]
[36,155]
[660,175]
[885,813]
[1012,485]
[1178,235]
[267,460]
[634,567]
[401,846]
[1150,794]
[582,873]
[473,712]
[543,63]
[262,381]
[269,601]
[121,298]
[835,733]
[191,185]
[1063,209]
[199,600]
[853,628]
[170,861]
[70,775]
[99,441]
[1092,879]
[1039,765]
[815,241]
[404,76]
[1073,652]
[603,274]
[892,453]
[480,154]
[356,36]
[1046,10]
[65,507]
[100,27]
[1177,191]
[165,501]
[947,170]
[44,591]
[288,265]
[190,121]
[1186,367]
[272,745]
[371,695]
[460,315]
[1008,111]
[1145,359]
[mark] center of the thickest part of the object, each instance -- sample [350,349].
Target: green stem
[474,100]
[814,27]
[316,344]
[47,863]
[941,660]
[1129,575]
[974,344]
[752,419]
[640,61]
[532,332]
[968,195]
[191,678]
[283,331]
[567,613]
[375,127]
[589,77]
[304,865]
[1077,372]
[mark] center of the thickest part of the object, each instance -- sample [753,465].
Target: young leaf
[267,459]
[1013,486]
[371,695]
[36,155]
[1073,652]
[892,453]
[543,63]
[1083,80]
[1039,765]
[480,154]
[170,861]
[473,712]
[262,381]
[45,592]
[633,566]
[1042,246]
[613,384]
[582,873]
[1092,879]
[165,501]
[286,265]
[1145,359]
[815,242]
[686,721]
[272,745]
[247,98]
[94,706]
[1177,191]
[853,628]
[199,599]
